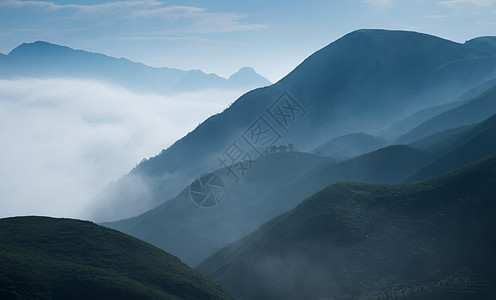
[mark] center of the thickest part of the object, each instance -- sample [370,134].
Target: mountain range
[45,60]
[280,181]
[362,82]
[368,172]
[427,240]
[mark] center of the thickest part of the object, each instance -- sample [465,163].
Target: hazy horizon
[221,36]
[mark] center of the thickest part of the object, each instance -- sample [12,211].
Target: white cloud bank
[63,140]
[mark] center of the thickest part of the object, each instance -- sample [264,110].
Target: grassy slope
[429,240]
[45,258]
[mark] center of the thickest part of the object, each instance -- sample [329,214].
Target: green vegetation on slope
[432,239]
[45,258]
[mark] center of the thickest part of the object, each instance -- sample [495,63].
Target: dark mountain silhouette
[428,240]
[178,225]
[440,141]
[350,145]
[45,258]
[450,139]
[474,111]
[478,146]
[408,123]
[45,60]
[403,126]
[276,184]
[359,83]
[485,44]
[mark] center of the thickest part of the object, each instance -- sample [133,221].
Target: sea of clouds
[63,140]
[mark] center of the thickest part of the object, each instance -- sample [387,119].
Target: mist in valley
[136,162]
[64,140]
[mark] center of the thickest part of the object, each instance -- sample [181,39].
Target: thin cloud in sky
[202,21]
[186,19]
[438,17]
[170,11]
[480,3]
[95,8]
[379,3]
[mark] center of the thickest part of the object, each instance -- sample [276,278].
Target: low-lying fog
[63,140]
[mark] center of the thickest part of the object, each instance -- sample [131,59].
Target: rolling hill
[179,224]
[474,111]
[356,84]
[408,123]
[275,185]
[350,145]
[480,145]
[452,138]
[46,258]
[427,240]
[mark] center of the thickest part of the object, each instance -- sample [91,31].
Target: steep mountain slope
[45,258]
[45,60]
[450,139]
[428,240]
[474,111]
[408,123]
[477,147]
[350,145]
[178,225]
[275,185]
[388,165]
[356,84]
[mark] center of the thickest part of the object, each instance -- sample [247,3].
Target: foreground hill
[428,240]
[356,84]
[45,258]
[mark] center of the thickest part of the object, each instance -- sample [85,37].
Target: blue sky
[221,36]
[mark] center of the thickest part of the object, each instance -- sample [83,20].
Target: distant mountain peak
[39,48]
[43,59]
[248,74]
[245,70]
